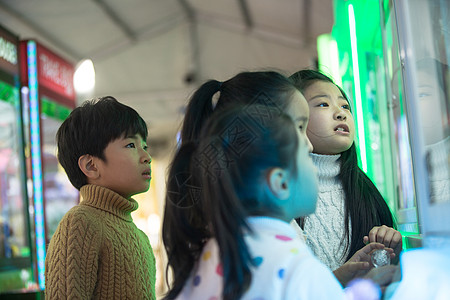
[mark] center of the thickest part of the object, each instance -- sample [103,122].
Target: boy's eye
[145,147]
[323,104]
[346,106]
[130,145]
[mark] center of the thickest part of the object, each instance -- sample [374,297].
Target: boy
[97,252]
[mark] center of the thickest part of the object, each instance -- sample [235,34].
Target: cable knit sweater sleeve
[72,258]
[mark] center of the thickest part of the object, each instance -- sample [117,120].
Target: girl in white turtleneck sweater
[350,210]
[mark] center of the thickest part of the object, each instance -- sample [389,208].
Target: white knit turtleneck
[438,159]
[325,228]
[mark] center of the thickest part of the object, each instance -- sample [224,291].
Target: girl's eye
[323,104]
[346,106]
[302,127]
[130,145]
[145,147]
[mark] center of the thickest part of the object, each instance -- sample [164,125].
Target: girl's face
[298,110]
[331,127]
[303,191]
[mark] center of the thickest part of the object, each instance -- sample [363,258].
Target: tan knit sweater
[97,252]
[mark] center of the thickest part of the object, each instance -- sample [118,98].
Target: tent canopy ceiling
[151,54]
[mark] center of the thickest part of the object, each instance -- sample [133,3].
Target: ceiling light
[84,77]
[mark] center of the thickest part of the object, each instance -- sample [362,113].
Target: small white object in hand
[380,258]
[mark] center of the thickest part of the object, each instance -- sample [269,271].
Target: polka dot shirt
[285,268]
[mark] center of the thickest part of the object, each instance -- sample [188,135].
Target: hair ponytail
[229,226]
[199,110]
[183,231]
[269,88]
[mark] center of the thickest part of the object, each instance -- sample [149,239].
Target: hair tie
[215,97]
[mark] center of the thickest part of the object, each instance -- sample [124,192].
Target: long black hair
[364,205]
[185,229]
[236,150]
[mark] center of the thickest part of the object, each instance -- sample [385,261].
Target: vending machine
[48,98]
[17,274]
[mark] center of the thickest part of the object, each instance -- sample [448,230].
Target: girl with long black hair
[350,210]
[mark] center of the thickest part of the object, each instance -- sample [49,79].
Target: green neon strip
[359,112]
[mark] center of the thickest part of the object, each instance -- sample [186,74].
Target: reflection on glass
[401,128]
[405,166]
[432,53]
[433,108]
[400,134]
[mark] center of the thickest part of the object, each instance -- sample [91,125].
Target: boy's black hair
[364,205]
[90,128]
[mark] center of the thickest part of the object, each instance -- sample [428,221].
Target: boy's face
[126,169]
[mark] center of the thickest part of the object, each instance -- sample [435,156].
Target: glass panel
[429,44]
[406,207]
[385,144]
[15,258]
[59,194]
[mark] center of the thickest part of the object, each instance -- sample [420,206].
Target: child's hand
[383,276]
[359,264]
[388,236]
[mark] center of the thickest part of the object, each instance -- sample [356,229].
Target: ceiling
[151,54]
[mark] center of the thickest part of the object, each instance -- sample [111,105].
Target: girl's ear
[87,164]
[278,183]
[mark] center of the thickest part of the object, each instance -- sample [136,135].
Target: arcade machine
[48,97]
[16,262]
[396,72]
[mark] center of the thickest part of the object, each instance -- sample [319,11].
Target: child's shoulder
[82,214]
[292,245]
[76,227]
[281,237]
